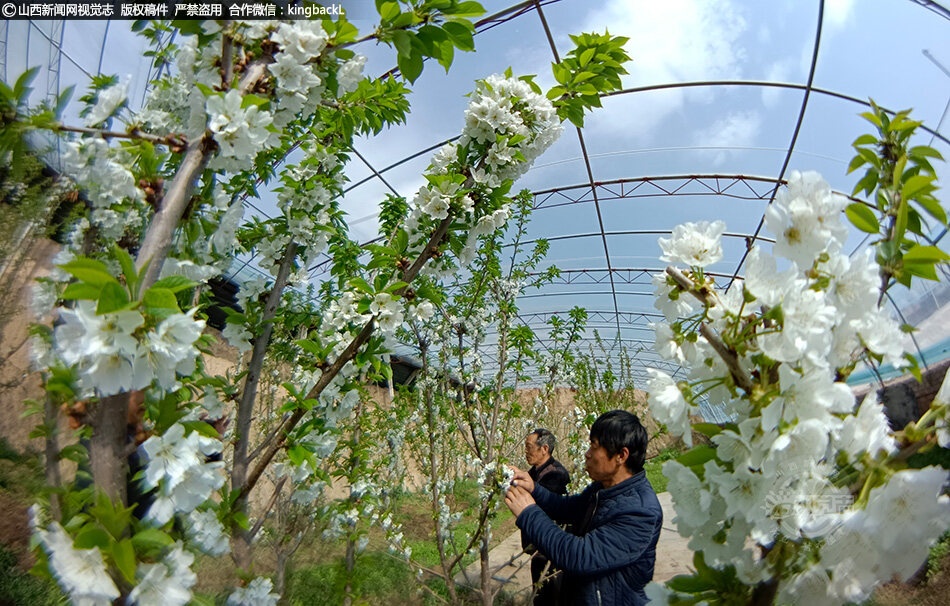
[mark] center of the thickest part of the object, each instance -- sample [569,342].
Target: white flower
[915,498]
[303,40]
[806,329]
[672,302]
[854,283]
[171,349]
[765,282]
[205,531]
[423,311]
[742,490]
[108,101]
[943,399]
[193,489]
[690,498]
[882,335]
[293,76]
[806,219]
[257,593]
[240,132]
[237,335]
[801,445]
[350,74]
[166,583]
[866,431]
[80,572]
[667,404]
[170,455]
[694,244]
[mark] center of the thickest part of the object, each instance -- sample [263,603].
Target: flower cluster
[113,353]
[240,129]
[118,205]
[184,479]
[80,572]
[166,582]
[775,475]
[510,119]
[508,125]
[259,592]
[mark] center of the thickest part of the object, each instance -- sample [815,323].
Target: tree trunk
[241,538]
[486,569]
[107,447]
[53,478]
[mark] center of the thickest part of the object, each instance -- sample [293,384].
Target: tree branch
[158,238]
[177,142]
[727,354]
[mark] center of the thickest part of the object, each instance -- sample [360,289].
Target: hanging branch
[158,238]
[739,375]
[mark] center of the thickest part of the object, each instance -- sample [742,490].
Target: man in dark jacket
[548,472]
[609,557]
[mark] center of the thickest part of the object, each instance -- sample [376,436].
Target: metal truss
[739,187]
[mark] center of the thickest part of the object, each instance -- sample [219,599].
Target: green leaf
[917,184]
[201,428]
[395,286]
[867,183]
[927,271]
[933,207]
[157,299]
[402,40]
[865,139]
[21,89]
[361,285]
[689,584]
[89,270]
[586,56]
[410,64]
[128,266]
[151,539]
[81,290]
[92,536]
[112,298]
[175,283]
[123,555]
[697,456]
[924,151]
[466,9]
[863,218]
[707,429]
[460,35]
[388,10]
[925,254]
[856,163]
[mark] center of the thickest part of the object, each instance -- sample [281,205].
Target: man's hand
[518,499]
[522,479]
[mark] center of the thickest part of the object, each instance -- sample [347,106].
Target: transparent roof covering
[724,98]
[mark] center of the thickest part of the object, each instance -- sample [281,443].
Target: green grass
[415,515]
[376,577]
[653,467]
[19,587]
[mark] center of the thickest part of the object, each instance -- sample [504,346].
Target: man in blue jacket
[609,557]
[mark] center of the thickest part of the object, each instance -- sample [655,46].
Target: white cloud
[670,41]
[736,130]
[779,71]
[838,12]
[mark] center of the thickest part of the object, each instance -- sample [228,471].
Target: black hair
[545,438]
[617,429]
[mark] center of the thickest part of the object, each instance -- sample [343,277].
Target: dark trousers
[548,593]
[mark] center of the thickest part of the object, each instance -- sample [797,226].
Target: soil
[933,592]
